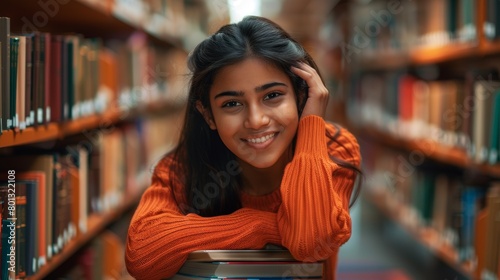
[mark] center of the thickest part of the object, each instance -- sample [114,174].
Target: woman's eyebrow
[269,85]
[257,89]
[229,93]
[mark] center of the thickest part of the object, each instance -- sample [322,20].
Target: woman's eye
[272,95]
[231,104]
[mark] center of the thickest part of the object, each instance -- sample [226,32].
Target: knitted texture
[308,214]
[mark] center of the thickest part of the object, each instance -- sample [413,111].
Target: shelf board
[432,55]
[382,60]
[30,135]
[425,235]
[96,224]
[490,47]
[448,155]
[90,122]
[387,60]
[55,131]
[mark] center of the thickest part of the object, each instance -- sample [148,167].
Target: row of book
[164,18]
[56,191]
[456,113]
[247,264]
[61,77]
[461,216]
[102,258]
[384,26]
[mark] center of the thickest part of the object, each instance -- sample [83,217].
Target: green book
[468,10]
[495,129]
[452,17]
[14,53]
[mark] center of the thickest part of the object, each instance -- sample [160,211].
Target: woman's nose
[257,117]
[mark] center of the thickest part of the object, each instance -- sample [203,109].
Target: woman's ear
[206,115]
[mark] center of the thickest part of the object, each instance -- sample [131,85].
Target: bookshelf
[428,236]
[55,131]
[451,52]
[446,155]
[114,111]
[96,224]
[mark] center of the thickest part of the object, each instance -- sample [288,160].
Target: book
[257,264]
[4,70]
[20,118]
[240,255]
[33,206]
[190,277]
[47,96]
[480,240]
[29,80]
[492,241]
[494,143]
[21,229]
[37,222]
[56,78]
[252,269]
[14,53]
[483,93]
[44,163]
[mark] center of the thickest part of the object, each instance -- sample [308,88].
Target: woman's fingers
[317,98]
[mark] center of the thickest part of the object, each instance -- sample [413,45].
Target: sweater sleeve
[313,218]
[160,237]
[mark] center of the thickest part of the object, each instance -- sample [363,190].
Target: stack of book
[247,264]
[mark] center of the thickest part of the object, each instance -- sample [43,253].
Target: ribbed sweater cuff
[311,137]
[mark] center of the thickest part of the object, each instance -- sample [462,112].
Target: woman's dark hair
[206,164]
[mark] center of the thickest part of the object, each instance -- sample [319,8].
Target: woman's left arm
[314,218]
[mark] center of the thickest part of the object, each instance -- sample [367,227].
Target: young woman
[256,163]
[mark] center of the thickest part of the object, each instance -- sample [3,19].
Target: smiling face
[254,110]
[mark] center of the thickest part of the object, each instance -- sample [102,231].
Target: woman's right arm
[160,237]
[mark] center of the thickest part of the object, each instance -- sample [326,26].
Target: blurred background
[415,81]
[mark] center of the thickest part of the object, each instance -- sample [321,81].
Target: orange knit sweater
[308,214]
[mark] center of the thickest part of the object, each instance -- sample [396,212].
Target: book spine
[29,79]
[21,84]
[5,70]
[20,230]
[47,77]
[14,54]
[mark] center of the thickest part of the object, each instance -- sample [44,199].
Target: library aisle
[384,251]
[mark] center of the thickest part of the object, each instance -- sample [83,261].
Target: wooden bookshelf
[55,131]
[427,236]
[92,18]
[457,46]
[30,135]
[448,155]
[435,55]
[162,37]
[395,60]
[96,223]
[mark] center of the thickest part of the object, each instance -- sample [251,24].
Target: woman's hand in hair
[317,97]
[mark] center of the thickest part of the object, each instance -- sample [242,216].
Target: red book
[406,98]
[55,79]
[47,77]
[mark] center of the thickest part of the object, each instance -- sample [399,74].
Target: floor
[379,249]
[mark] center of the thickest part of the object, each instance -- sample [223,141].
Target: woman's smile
[261,142]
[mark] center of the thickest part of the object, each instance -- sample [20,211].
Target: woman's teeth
[261,139]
